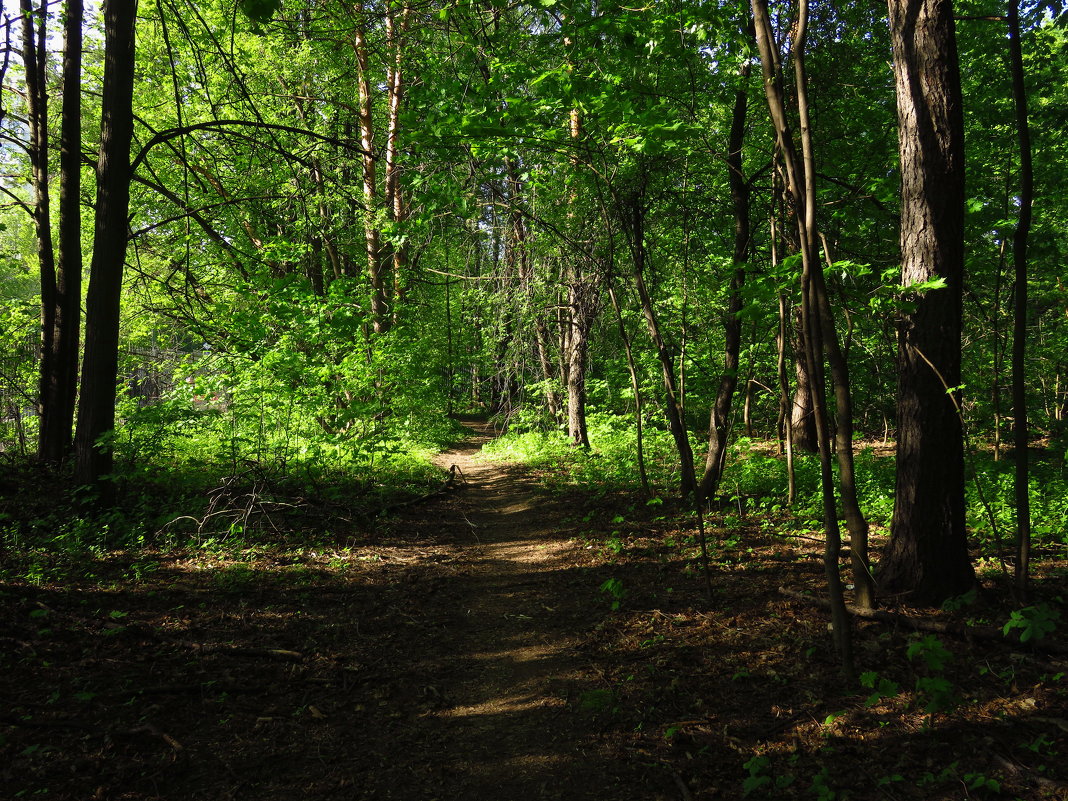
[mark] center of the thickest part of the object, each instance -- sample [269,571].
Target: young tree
[927,558]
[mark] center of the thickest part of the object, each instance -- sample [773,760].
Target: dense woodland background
[257,256]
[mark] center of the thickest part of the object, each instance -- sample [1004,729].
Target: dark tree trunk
[96,410]
[718,427]
[1019,316]
[636,389]
[927,557]
[800,183]
[58,423]
[34,55]
[580,309]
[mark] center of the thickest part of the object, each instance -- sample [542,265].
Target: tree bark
[1019,317]
[34,56]
[380,314]
[636,389]
[396,208]
[801,187]
[802,417]
[59,429]
[96,410]
[718,426]
[927,557]
[578,350]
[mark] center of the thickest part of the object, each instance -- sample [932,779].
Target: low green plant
[613,588]
[762,778]
[821,787]
[1034,622]
[597,700]
[933,689]
[882,687]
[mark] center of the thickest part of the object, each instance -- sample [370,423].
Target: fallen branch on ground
[989,633]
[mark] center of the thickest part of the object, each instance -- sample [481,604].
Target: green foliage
[883,688]
[614,589]
[933,688]
[761,779]
[260,11]
[18,376]
[597,700]
[1034,622]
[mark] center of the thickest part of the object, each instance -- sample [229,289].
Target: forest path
[504,664]
[450,654]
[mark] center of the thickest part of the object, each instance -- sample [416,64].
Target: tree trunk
[802,418]
[67,341]
[396,207]
[856,524]
[581,316]
[634,216]
[34,56]
[96,410]
[1019,317]
[636,389]
[718,426]
[380,315]
[927,557]
[801,187]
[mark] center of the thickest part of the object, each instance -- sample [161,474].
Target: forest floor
[498,642]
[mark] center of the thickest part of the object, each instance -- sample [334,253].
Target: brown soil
[468,651]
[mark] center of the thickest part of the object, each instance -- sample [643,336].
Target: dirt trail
[508,672]
[447,657]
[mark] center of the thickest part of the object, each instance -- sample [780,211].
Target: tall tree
[718,426]
[60,386]
[34,59]
[1019,330]
[927,557]
[96,410]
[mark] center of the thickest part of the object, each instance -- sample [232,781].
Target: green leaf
[259,11]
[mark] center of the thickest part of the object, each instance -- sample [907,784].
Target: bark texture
[927,558]
[96,411]
[57,427]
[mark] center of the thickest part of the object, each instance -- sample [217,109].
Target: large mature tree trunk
[96,410]
[927,558]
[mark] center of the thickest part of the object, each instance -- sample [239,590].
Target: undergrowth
[755,478]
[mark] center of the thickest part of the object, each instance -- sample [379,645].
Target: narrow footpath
[502,656]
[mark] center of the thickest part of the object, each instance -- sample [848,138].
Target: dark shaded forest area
[550,399]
